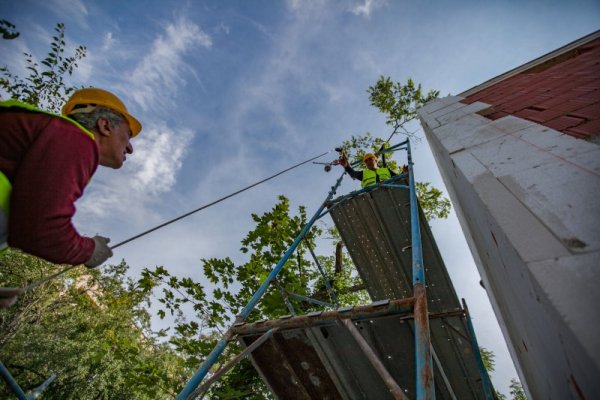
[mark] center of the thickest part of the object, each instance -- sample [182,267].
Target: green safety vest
[370,176]
[5,185]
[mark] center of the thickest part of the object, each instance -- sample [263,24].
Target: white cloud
[69,10]
[157,78]
[367,7]
[223,28]
[159,151]
[108,41]
[158,157]
[151,170]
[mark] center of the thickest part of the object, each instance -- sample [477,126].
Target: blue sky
[230,92]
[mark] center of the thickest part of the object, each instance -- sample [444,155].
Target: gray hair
[90,118]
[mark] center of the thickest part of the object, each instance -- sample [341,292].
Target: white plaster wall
[527,200]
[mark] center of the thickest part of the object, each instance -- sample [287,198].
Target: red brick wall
[562,93]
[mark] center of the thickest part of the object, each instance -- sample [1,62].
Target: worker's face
[115,143]
[371,163]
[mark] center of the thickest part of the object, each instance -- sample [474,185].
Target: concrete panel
[563,201]
[467,132]
[507,155]
[562,280]
[561,193]
[447,110]
[533,335]
[524,198]
[532,240]
[461,112]
[438,104]
[562,146]
[510,124]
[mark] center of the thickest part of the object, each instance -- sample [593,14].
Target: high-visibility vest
[5,185]
[370,177]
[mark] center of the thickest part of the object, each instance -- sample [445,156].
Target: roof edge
[515,71]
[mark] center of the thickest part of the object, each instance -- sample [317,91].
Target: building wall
[526,197]
[562,92]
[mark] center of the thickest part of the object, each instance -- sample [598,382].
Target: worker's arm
[354,174]
[51,177]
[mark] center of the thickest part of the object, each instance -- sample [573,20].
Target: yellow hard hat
[369,155]
[99,97]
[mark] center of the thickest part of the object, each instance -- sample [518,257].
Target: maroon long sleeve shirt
[48,161]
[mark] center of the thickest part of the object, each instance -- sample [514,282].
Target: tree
[45,86]
[516,389]
[7,30]
[233,285]
[399,103]
[488,357]
[91,328]
[196,334]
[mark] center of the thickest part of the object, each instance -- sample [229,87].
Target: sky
[231,92]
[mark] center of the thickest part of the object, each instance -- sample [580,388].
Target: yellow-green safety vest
[370,176]
[5,185]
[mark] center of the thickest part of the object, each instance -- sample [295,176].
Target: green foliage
[45,86]
[233,285]
[399,102]
[488,358]
[357,146]
[516,390]
[91,328]
[432,201]
[8,30]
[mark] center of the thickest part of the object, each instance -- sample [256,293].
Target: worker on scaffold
[371,174]
[46,160]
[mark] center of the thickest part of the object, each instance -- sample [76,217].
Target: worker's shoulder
[66,128]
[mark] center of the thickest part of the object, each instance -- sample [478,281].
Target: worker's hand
[101,252]
[404,169]
[343,161]
[9,296]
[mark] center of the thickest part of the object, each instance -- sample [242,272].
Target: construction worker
[370,175]
[46,160]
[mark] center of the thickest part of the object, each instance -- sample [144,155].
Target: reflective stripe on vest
[370,177]
[5,185]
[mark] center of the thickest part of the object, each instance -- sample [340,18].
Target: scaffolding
[414,330]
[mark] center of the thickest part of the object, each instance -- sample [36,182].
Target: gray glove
[101,252]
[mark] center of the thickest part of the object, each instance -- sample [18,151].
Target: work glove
[343,161]
[9,295]
[101,252]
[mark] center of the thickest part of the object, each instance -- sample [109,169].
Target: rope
[48,278]
[217,201]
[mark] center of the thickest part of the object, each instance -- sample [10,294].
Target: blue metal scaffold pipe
[485,378]
[10,381]
[14,386]
[423,358]
[218,350]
